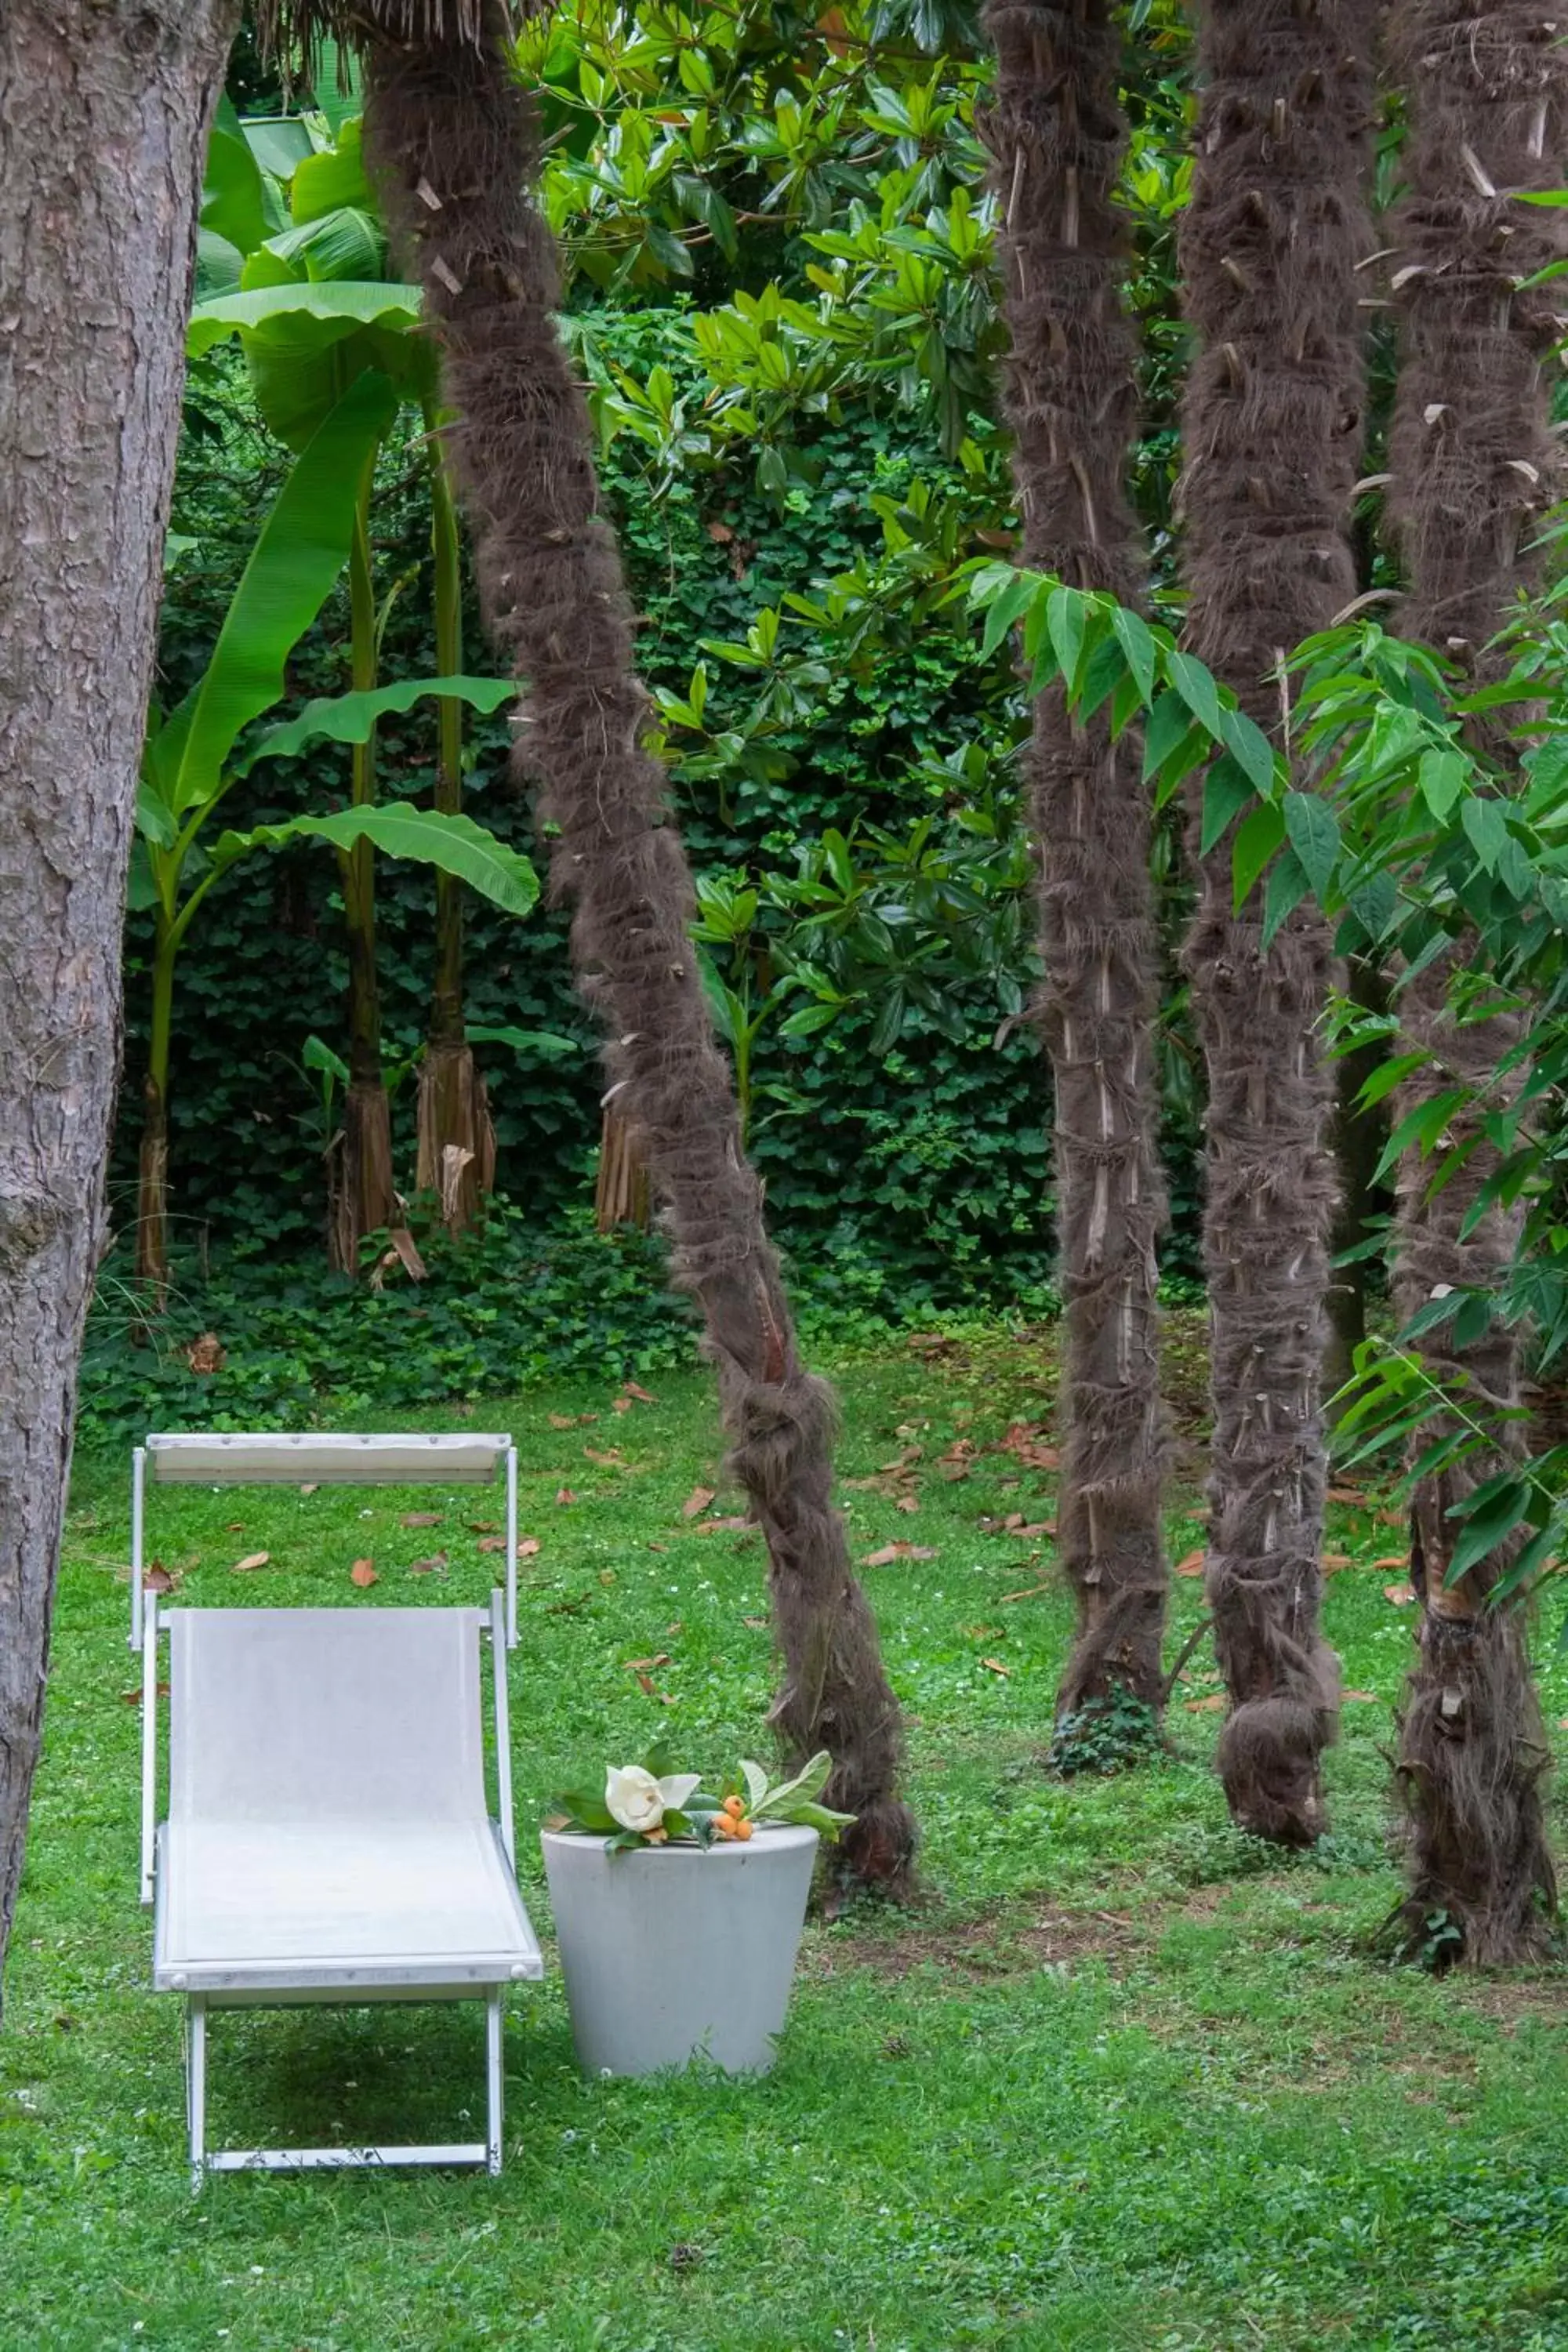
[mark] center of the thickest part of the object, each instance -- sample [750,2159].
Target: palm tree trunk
[366,1200]
[457,1146]
[1474,464]
[1056,133]
[1269,246]
[458,142]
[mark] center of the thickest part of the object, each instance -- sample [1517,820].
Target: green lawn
[1125,2080]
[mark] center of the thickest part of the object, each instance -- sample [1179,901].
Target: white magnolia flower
[639,1802]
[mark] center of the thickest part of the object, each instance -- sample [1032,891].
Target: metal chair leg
[494,2079]
[197,2088]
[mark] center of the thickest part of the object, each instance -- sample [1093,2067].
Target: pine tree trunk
[1273,431]
[457,142]
[103,117]
[1057,134]
[1474,466]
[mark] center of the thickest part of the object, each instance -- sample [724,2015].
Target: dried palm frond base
[1472,1758]
[295,29]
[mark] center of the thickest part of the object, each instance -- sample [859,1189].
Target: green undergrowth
[1123,2078]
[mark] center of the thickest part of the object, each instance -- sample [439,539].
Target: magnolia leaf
[757,1781]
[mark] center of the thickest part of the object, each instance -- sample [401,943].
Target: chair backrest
[212,1459]
[325,1715]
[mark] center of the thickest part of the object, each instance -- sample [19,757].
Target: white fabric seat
[328,1836]
[250,1907]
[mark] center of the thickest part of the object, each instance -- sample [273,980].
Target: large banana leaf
[454,845]
[336,306]
[352,717]
[237,204]
[334,177]
[306,336]
[302,548]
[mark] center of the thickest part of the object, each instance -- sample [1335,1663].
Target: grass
[1124,2079]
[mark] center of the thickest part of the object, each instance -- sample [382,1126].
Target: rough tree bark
[1269,246]
[1056,133]
[1474,464]
[104,107]
[457,143]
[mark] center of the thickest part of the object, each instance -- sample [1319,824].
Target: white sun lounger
[327,1458]
[328,1837]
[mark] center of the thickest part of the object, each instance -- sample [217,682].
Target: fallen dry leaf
[1192,1565]
[1026,1592]
[527,1547]
[134,1697]
[1392,1560]
[481,1527]
[697,1502]
[564,1495]
[716,1527]
[620,1404]
[658,1547]
[892,1551]
[630,1388]
[312,1488]
[434,1566]
[756,1624]
[644,1665]
[1335,1561]
[1562,1721]
[953,1471]
[610,1461]
[157,1579]
[251,1559]
[1210,1705]
[492,1543]
[1368,1698]
[236,1527]
[362,1574]
[1402,1595]
[421,1518]
[607,1576]
[1392,1519]
[1351,1494]
[907,1503]
[563,1421]
[996,1666]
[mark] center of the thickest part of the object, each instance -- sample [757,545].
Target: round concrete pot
[681,1953]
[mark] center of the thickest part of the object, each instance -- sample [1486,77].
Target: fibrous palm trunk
[1269,246]
[456,142]
[1473,465]
[104,107]
[1056,131]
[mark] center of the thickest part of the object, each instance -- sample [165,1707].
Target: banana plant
[309,300]
[193,759]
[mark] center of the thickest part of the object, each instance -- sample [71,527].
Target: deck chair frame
[328,1457]
[403,1987]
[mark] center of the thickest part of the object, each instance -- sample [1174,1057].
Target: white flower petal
[676,1786]
[633,1798]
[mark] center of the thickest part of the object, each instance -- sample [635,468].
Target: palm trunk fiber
[1056,133]
[457,140]
[1473,465]
[1269,246]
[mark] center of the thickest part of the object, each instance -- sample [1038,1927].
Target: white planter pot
[678,1954]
